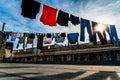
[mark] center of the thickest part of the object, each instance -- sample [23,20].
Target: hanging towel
[63,18]
[30,39]
[49,16]
[21,41]
[85,23]
[47,40]
[13,36]
[30,8]
[72,38]
[74,20]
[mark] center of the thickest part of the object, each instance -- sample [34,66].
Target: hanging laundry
[74,20]
[59,38]
[18,34]
[52,35]
[106,29]
[32,35]
[30,39]
[49,16]
[40,42]
[63,18]
[101,36]
[72,38]
[85,23]
[21,41]
[47,40]
[30,8]
[63,34]
[9,45]
[49,35]
[13,36]
[57,35]
[114,36]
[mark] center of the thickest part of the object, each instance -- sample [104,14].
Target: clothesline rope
[34,32]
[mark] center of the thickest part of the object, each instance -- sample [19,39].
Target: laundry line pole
[3,27]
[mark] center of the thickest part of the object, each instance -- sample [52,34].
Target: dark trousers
[101,36]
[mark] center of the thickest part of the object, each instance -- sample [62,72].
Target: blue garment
[85,23]
[113,34]
[59,39]
[72,38]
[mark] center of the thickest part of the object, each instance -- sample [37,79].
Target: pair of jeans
[101,36]
[114,36]
[85,23]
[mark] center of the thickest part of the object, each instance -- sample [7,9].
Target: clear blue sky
[105,11]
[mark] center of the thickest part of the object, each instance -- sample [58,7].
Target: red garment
[49,16]
[40,42]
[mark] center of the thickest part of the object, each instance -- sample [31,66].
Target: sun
[100,28]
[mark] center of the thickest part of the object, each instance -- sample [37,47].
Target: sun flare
[100,27]
[105,19]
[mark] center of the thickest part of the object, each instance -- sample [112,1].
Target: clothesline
[27,33]
[41,39]
[73,37]
[69,13]
[48,16]
[38,32]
